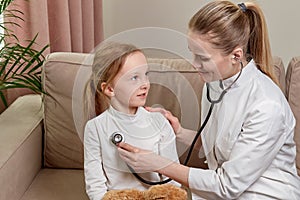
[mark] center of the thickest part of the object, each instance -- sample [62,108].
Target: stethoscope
[118,137]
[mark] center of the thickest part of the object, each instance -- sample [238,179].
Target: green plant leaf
[4,4]
[20,65]
[3,99]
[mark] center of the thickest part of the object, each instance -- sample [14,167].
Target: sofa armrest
[20,145]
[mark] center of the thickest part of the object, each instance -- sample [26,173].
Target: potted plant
[20,65]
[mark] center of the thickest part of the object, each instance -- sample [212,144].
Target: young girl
[119,86]
[248,141]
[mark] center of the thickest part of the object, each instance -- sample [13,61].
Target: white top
[104,169]
[248,143]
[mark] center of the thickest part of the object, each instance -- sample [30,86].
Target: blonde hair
[227,26]
[109,58]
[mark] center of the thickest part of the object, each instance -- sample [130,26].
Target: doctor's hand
[142,160]
[172,119]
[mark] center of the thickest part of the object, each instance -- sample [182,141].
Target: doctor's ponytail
[258,44]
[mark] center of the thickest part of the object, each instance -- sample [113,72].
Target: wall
[282,19]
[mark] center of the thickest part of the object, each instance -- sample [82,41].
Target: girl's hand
[141,160]
[172,119]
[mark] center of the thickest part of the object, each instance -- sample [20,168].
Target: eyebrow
[196,51]
[135,72]
[199,54]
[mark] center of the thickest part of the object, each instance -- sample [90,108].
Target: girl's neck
[126,110]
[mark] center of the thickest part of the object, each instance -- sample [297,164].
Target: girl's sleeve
[94,176]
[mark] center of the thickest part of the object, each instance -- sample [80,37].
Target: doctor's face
[211,64]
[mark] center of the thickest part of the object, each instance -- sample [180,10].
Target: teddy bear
[156,192]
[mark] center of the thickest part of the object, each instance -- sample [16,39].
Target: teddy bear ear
[165,191]
[127,194]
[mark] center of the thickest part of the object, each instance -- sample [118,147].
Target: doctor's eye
[200,58]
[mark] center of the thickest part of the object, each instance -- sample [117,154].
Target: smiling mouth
[142,95]
[202,72]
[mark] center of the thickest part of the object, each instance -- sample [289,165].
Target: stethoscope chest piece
[117,137]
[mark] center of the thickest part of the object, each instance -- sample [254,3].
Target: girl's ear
[107,89]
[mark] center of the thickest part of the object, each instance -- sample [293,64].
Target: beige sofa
[41,151]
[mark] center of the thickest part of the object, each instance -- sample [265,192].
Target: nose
[197,64]
[145,83]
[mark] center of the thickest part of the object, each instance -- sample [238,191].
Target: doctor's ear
[107,89]
[237,55]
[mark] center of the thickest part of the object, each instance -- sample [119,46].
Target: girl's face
[131,85]
[211,64]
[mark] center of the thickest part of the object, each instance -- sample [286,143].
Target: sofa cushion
[63,147]
[176,86]
[57,184]
[293,96]
[279,72]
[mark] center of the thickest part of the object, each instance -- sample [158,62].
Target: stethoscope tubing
[212,103]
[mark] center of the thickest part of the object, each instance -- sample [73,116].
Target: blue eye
[134,78]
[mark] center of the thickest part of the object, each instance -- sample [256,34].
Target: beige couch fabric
[293,96]
[176,86]
[280,72]
[63,146]
[20,146]
[57,184]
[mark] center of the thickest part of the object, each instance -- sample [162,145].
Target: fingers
[169,116]
[157,109]
[126,152]
[163,111]
[128,147]
[129,155]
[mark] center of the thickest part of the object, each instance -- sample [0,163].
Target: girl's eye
[147,73]
[134,78]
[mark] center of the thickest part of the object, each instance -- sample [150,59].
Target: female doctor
[248,140]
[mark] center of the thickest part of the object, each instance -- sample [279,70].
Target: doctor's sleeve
[167,144]
[94,176]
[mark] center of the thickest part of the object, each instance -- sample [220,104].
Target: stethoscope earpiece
[235,58]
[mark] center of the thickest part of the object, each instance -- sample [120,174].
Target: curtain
[66,25]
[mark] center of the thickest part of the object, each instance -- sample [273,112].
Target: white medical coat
[248,143]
